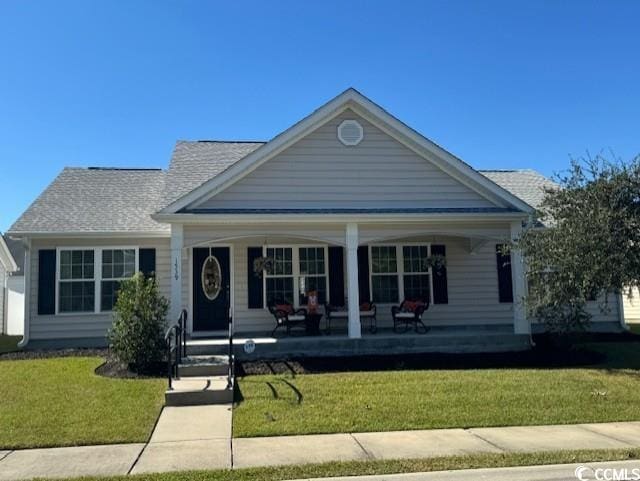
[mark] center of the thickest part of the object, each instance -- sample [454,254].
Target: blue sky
[501,84]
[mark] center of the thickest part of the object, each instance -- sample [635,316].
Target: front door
[211,288]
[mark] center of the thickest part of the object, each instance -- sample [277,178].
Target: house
[349,202]
[11,286]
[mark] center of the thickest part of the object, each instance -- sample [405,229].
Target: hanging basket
[262,265]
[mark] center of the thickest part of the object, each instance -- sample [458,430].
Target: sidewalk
[199,437]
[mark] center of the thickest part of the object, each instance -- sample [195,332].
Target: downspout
[27,292]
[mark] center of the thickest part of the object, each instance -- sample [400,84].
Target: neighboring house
[11,287]
[349,201]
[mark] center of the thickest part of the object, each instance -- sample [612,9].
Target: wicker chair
[408,313]
[287,316]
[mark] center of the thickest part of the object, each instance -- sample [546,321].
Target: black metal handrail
[176,341]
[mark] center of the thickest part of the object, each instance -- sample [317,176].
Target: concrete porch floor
[459,339]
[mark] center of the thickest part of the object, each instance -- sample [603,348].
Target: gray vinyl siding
[3,297]
[82,326]
[632,307]
[320,172]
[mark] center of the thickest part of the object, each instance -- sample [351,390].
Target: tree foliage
[137,334]
[589,246]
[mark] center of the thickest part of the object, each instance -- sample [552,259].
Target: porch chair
[287,316]
[410,312]
[367,311]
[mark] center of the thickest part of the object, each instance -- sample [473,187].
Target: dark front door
[211,288]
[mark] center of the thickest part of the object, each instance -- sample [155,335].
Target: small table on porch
[312,323]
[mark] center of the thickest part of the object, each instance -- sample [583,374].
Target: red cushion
[365,306]
[288,308]
[412,305]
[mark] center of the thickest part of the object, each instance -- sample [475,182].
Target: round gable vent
[350,132]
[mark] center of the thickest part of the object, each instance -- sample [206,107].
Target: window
[313,274]
[77,286]
[296,268]
[88,279]
[117,265]
[416,272]
[279,282]
[384,274]
[400,272]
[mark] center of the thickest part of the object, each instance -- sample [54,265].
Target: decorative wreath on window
[262,264]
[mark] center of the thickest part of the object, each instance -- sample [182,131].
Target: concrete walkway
[199,437]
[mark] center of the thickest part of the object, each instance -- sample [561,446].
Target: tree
[589,246]
[137,334]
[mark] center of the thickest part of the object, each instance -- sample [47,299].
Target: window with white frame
[399,272]
[384,274]
[76,287]
[88,279]
[279,282]
[117,265]
[312,273]
[300,269]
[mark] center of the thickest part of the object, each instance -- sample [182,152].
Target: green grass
[361,468]
[635,328]
[427,399]
[61,402]
[9,343]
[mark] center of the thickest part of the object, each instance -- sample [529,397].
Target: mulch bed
[49,353]
[527,359]
[114,368]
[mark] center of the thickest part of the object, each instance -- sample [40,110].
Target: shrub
[137,335]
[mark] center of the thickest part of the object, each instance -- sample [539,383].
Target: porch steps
[203,365]
[199,390]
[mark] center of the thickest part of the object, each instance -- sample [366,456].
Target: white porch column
[177,242]
[521,324]
[352,281]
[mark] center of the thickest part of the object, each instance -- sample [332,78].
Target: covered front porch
[348,264]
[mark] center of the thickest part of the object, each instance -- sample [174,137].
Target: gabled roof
[7,262]
[16,248]
[96,200]
[194,163]
[350,99]
[528,185]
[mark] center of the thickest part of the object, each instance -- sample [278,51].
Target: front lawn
[62,402]
[284,404]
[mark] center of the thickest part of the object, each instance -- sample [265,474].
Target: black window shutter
[336,275]
[440,293]
[363,273]
[147,261]
[46,281]
[254,281]
[505,286]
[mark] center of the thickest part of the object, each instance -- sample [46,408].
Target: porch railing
[176,341]
[230,358]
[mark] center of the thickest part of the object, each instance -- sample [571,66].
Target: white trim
[295,269]
[399,269]
[94,234]
[97,276]
[232,288]
[349,99]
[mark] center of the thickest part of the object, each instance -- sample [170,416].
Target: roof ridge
[217,141]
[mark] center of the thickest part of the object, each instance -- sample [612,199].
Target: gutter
[27,293]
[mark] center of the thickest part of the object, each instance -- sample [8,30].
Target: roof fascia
[92,234]
[7,260]
[306,218]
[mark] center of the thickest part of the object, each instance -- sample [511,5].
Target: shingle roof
[194,163]
[96,200]
[123,200]
[529,185]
